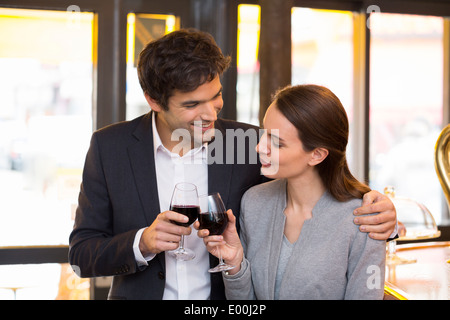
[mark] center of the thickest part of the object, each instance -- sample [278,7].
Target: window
[322,54]
[247,86]
[45,126]
[406,105]
[45,122]
[141,29]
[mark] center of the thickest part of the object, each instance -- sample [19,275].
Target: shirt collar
[158,145]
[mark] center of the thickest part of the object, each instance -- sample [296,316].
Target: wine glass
[213,217]
[184,201]
[418,221]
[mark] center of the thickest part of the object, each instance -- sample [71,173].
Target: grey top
[331,259]
[285,255]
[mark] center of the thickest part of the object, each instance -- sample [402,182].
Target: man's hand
[379,226]
[163,235]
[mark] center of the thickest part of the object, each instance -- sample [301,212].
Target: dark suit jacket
[119,196]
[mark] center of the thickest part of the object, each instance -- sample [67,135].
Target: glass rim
[210,194]
[185,186]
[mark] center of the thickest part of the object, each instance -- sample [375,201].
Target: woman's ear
[152,103]
[317,156]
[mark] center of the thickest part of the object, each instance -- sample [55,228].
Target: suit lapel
[219,173]
[142,163]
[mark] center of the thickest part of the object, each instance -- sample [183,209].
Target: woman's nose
[262,146]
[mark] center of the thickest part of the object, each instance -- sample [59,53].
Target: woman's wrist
[236,262]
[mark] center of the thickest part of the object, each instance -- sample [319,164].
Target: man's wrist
[140,254]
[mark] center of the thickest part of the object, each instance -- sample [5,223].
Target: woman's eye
[276,143]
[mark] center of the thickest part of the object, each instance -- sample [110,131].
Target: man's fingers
[379,236]
[174,216]
[166,245]
[375,219]
[371,208]
[371,196]
[166,223]
[376,230]
[168,237]
[176,229]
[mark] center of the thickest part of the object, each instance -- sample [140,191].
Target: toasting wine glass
[213,216]
[184,201]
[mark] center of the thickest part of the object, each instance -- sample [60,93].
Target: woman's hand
[228,243]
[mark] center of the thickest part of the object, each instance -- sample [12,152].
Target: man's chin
[204,137]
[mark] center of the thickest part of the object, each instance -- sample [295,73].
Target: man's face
[192,113]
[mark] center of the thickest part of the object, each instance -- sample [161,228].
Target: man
[123,226]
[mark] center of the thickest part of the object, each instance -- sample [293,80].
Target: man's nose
[210,111]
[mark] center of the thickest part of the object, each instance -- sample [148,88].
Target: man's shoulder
[124,127]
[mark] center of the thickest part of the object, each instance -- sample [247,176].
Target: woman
[298,239]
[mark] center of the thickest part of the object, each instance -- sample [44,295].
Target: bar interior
[68,69]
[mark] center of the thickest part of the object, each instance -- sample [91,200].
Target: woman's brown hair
[322,122]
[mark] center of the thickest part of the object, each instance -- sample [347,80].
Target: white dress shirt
[185,280]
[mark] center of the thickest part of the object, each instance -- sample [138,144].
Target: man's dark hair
[181,60]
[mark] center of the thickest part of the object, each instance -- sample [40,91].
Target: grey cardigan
[331,259]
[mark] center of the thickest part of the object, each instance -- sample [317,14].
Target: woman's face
[280,150]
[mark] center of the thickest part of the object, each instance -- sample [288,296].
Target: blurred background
[68,69]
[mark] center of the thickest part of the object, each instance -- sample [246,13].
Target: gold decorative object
[442,161]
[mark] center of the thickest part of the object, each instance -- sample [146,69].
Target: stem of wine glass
[220,256]
[392,247]
[181,245]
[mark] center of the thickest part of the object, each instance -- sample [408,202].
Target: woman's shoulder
[264,190]
[260,204]
[350,205]
[263,198]
[340,212]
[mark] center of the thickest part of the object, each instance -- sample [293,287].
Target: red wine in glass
[191,212]
[215,223]
[184,201]
[213,216]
